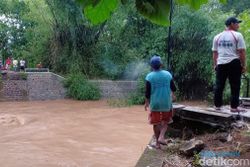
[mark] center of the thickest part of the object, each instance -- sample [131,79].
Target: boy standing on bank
[159,91]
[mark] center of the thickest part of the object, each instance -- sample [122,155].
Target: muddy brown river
[67,133]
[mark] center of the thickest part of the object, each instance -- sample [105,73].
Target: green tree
[244,29]
[127,42]
[192,57]
[236,5]
[37,34]
[72,43]
[12,27]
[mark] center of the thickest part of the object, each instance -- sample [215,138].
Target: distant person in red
[8,63]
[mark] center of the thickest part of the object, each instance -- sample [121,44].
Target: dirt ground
[67,133]
[217,140]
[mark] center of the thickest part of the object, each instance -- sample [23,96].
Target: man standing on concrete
[229,60]
[159,88]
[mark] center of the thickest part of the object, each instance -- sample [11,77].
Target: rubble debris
[191,147]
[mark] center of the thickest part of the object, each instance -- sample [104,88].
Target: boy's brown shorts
[159,117]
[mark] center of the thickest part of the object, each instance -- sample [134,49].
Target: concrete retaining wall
[49,86]
[45,86]
[115,89]
[14,90]
[32,86]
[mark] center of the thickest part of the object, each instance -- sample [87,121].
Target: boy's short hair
[155,62]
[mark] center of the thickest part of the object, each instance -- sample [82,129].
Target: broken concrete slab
[209,115]
[191,147]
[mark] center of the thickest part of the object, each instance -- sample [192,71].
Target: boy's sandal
[170,121]
[165,142]
[154,146]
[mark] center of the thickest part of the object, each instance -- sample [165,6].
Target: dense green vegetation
[78,87]
[58,34]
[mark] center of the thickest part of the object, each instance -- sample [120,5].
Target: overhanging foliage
[157,11]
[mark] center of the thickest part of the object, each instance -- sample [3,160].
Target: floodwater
[67,133]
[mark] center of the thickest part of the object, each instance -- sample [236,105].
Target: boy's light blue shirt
[160,95]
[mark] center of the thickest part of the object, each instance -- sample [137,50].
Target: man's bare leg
[157,131]
[163,130]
